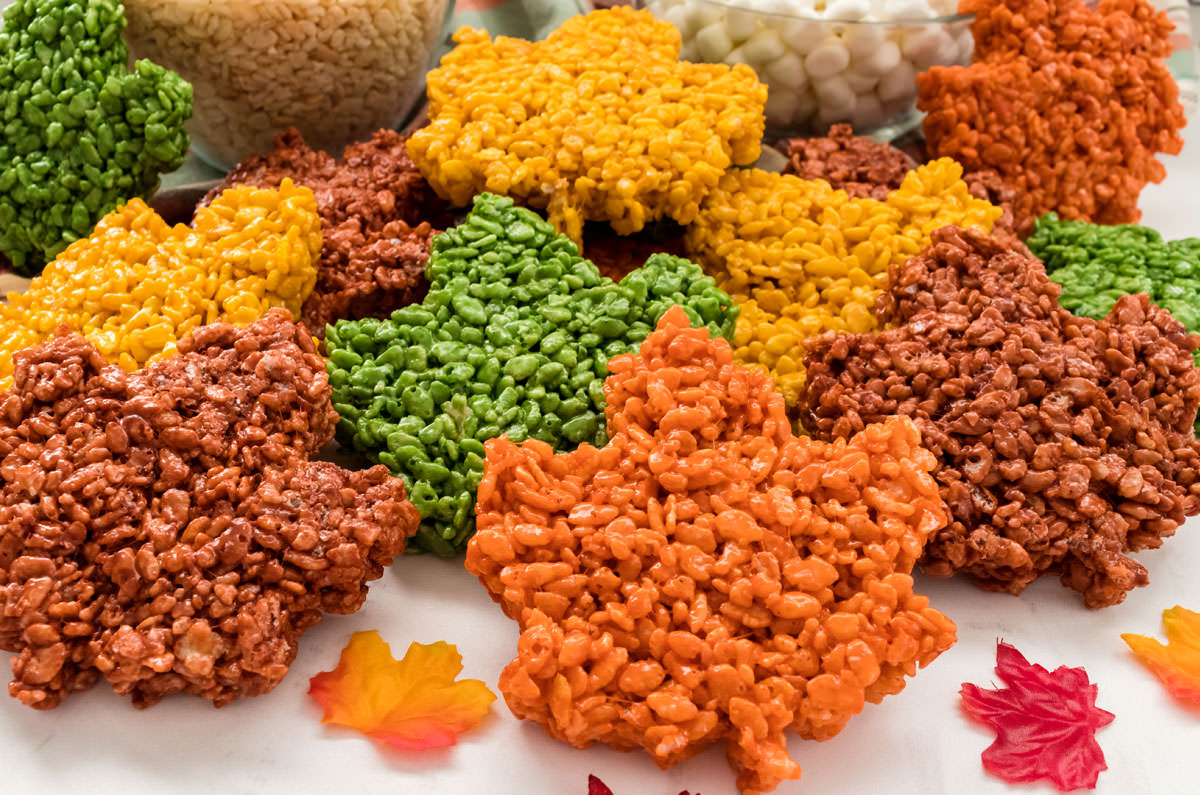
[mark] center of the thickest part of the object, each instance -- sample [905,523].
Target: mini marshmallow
[966,45]
[927,45]
[735,57]
[771,7]
[713,43]
[834,95]
[862,40]
[894,107]
[868,112]
[786,70]
[742,19]
[827,117]
[908,9]
[859,81]
[882,60]
[780,107]
[679,17]
[702,14]
[827,59]
[801,35]
[947,52]
[917,40]
[898,83]
[762,48]
[803,8]
[847,10]
[806,105]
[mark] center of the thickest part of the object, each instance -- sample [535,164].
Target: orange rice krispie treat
[706,575]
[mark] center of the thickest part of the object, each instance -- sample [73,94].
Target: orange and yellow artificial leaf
[1177,664]
[413,703]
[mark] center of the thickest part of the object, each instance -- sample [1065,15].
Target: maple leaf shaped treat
[601,121]
[166,529]
[1064,443]
[1176,664]
[1045,723]
[513,338]
[414,703]
[707,576]
[85,129]
[1070,105]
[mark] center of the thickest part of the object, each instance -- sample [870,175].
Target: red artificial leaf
[1045,723]
[414,703]
[598,787]
[1177,664]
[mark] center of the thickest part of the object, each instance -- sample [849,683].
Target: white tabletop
[917,742]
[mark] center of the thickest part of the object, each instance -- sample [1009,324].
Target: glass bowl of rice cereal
[335,69]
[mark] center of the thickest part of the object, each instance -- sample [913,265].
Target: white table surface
[916,742]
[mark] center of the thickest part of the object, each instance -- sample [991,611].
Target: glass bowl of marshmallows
[336,69]
[827,62]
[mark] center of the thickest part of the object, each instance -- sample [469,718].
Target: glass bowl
[336,69]
[822,70]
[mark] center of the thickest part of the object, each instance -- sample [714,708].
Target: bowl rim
[944,19]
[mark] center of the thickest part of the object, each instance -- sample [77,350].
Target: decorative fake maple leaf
[413,703]
[1045,723]
[598,787]
[1177,664]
